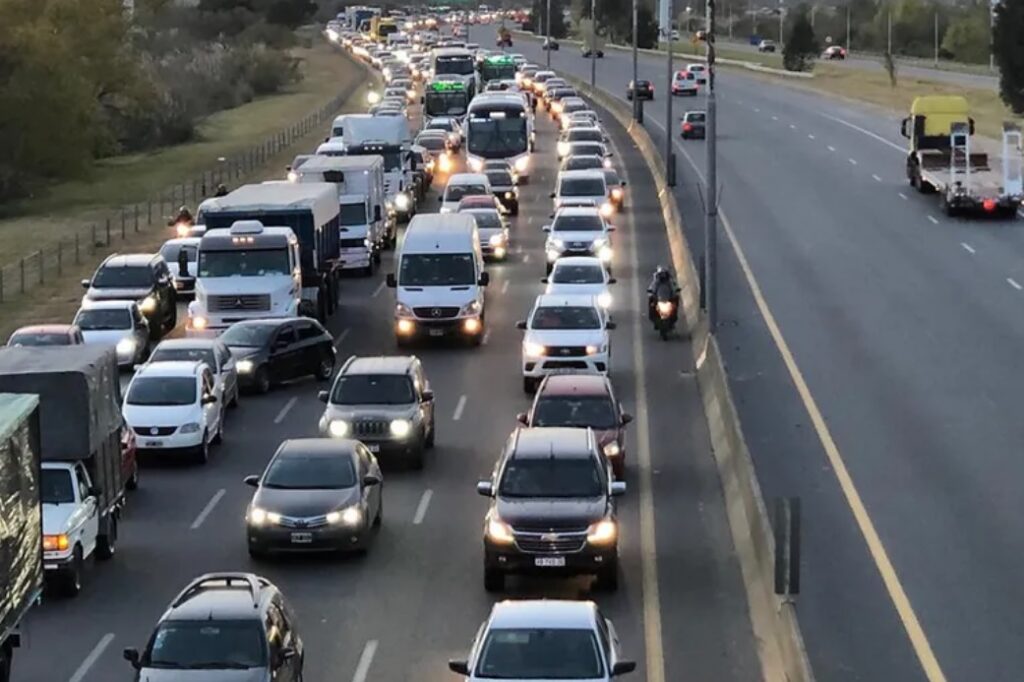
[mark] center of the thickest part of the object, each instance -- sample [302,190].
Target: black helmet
[222,190]
[661,274]
[183,209]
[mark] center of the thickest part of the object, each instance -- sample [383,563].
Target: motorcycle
[665,319]
[182,228]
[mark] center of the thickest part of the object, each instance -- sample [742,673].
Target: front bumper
[175,442]
[275,538]
[511,559]
[539,367]
[418,328]
[353,259]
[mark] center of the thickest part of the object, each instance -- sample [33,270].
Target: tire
[70,580]
[262,380]
[201,455]
[529,385]
[429,441]
[663,331]
[608,578]
[494,580]
[234,397]
[106,545]
[133,481]
[325,368]
[218,437]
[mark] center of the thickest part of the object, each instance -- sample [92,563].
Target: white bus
[499,125]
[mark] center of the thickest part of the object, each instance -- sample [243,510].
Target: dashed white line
[933,219]
[775,118]
[866,132]
[207,509]
[365,661]
[487,336]
[853,162]
[1013,283]
[526,258]
[504,286]
[421,509]
[792,127]
[877,179]
[967,247]
[810,137]
[902,196]
[459,407]
[93,656]
[831,148]
[284,410]
[380,288]
[341,336]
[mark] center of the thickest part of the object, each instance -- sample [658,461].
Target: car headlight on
[605,254]
[604,299]
[402,310]
[338,428]
[56,543]
[199,323]
[373,97]
[534,350]
[349,516]
[603,532]
[563,148]
[510,195]
[402,201]
[497,240]
[522,164]
[476,165]
[259,517]
[500,532]
[607,209]
[400,428]
[191,427]
[612,449]
[245,366]
[148,304]
[617,193]
[557,245]
[595,349]
[125,346]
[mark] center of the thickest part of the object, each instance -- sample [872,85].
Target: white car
[582,188]
[493,230]
[173,407]
[581,275]
[119,324]
[450,126]
[579,134]
[699,71]
[545,639]
[578,231]
[684,83]
[462,185]
[565,334]
[213,352]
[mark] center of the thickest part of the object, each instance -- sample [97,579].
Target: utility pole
[670,156]
[638,111]
[936,38]
[593,43]
[547,31]
[710,282]
[781,41]
[848,27]
[889,43]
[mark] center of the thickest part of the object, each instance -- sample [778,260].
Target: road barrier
[774,617]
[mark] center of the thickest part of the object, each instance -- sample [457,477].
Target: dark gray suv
[230,627]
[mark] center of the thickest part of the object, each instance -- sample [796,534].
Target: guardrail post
[107,243]
[123,221]
[786,527]
[60,258]
[42,278]
[22,265]
[135,211]
[149,211]
[77,249]
[93,238]
[1,285]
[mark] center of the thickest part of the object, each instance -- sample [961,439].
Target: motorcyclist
[184,217]
[222,190]
[661,288]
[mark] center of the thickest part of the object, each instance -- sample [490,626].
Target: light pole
[781,8]
[670,157]
[847,28]
[547,31]
[637,107]
[593,43]
[710,283]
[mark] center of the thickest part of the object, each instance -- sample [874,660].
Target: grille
[552,544]
[371,427]
[436,313]
[353,243]
[565,364]
[565,351]
[155,430]
[242,302]
[549,526]
[303,522]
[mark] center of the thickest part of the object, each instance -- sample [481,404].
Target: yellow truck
[940,160]
[381,28]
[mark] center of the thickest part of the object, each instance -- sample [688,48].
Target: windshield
[434,143]
[499,178]
[164,354]
[162,391]
[577,274]
[352,214]
[442,269]
[373,389]
[695,118]
[100,319]
[565,317]
[114,277]
[55,487]
[462,65]
[487,220]
[588,148]
[392,159]
[207,644]
[597,412]
[490,71]
[456,192]
[551,477]
[582,187]
[497,137]
[583,135]
[248,335]
[310,473]
[578,223]
[534,654]
[170,252]
[39,339]
[446,103]
[244,263]
[583,163]
[612,178]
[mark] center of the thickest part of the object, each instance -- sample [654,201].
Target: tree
[801,47]
[539,15]
[967,38]
[1008,49]
[646,28]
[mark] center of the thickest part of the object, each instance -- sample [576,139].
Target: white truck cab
[71,516]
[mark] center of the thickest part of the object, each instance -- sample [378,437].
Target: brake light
[989,205]
[687,127]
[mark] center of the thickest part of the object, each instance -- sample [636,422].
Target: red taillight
[687,127]
[989,205]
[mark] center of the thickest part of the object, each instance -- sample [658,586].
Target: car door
[90,510]
[285,667]
[283,353]
[309,337]
[226,371]
[365,466]
[212,410]
[140,331]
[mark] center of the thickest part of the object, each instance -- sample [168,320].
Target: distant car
[691,126]
[643,90]
[47,335]
[587,53]
[271,351]
[448,125]
[549,44]
[834,52]
[700,72]
[463,185]
[118,324]
[582,162]
[503,185]
[766,46]
[316,494]
[494,234]
[684,83]
[580,275]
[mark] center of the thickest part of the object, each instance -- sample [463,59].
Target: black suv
[220,624]
[552,511]
[141,277]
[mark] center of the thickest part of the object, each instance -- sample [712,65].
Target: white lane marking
[380,288]
[93,656]
[207,509]
[365,661]
[933,219]
[810,137]
[967,247]
[775,118]
[877,179]
[853,162]
[831,148]
[459,407]
[903,196]
[526,258]
[792,127]
[487,336]
[284,410]
[756,111]
[1013,283]
[421,508]
[866,132]
[504,286]
[341,336]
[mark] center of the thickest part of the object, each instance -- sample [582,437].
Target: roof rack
[250,580]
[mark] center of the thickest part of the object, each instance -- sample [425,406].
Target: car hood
[551,512]
[572,289]
[106,337]
[569,236]
[567,337]
[247,352]
[118,294]
[304,503]
[56,517]
[160,415]
[437,296]
[159,675]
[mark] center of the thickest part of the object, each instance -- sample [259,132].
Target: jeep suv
[552,509]
[141,277]
[219,625]
[386,403]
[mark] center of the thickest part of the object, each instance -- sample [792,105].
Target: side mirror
[485,488]
[543,280]
[552,195]
[132,656]
[522,418]
[612,280]
[86,283]
[521,324]
[94,491]
[390,280]
[618,488]
[428,396]
[252,481]
[322,396]
[623,667]
[209,399]
[623,183]
[610,325]
[626,418]
[376,212]
[904,128]
[485,279]
[370,479]
[459,667]
[610,154]
[546,228]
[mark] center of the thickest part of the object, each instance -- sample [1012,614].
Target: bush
[801,47]
[269,71]
[1009,52]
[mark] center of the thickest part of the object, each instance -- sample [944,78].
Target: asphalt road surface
[417,599]
[907,328]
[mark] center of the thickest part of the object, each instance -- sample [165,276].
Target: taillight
[687,127]
[989,205]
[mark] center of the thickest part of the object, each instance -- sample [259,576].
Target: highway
[906,327]
[417,598]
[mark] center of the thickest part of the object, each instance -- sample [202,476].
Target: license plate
[549,561]
[436,332]
[373,447]
[302,538]
[153,444]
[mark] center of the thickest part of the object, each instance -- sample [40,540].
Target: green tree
[646,28]
[801,47]
[1008,49]
[967,38]
[539,16]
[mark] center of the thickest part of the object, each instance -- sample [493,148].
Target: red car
[583,400]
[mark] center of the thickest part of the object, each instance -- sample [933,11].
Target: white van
[463,185]
[439,279]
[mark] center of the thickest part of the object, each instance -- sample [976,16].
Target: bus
[455,61]
[497,67]
[443,97]
[499,125]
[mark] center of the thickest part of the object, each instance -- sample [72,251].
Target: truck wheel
[71,578]
[106,545]
[416,459]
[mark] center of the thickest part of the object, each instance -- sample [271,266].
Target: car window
[579,411]
[551,477]
[456,192]
[83,481]
[566,317]
[604,637]
[581,187]
[308,331]
[578,274]
[55,487]
[373,389]
[99,319]
[132,277]
[285,336]
[170,354]
[207,644]
[156,391]
[585,222]
[248,335]
[540,653]
[291,472]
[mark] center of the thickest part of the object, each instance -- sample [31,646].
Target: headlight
[497,240]
[594,350]
[400,428]
[182,229]
[557,244]
[476,164]
[402,310]
[607,163]
[244,366]
[612,449]
[607,210]
[199,323]
[604,299]
[446,163]
[617,193]
[293,176]
[125,346]
[349,516]
[191,427]
[563,148]
[258,517]
[453,138]
[605,254]
[534,350]
[338,428]
[522,163]
[499,531]
[148,304]
[509,195]
[373,97]
[527,82]
[56,543]
[471,308]
[602,532]
[402,201]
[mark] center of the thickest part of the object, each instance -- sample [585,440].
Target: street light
[593,43]
[547,30]
[637,107]
[670,157]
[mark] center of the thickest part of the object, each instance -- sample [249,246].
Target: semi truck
[388,137]
[940,160]
[21,524]
[82,478]
[357,17]
[244,271]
